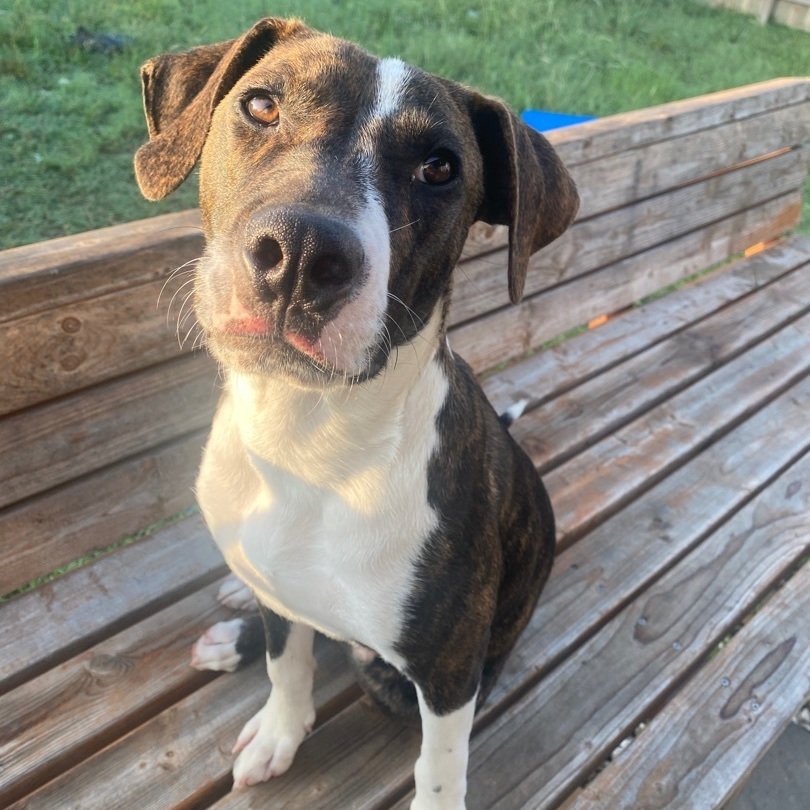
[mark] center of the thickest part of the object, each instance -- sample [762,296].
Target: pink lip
[303,345]
[249,325]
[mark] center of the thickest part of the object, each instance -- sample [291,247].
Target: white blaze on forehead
[392,77]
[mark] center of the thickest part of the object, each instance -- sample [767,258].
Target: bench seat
[672,435]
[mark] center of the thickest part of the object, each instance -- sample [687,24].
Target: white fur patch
[269,740]
[318,499]
[216,647]
[392,76]
[347,339]
[441,770]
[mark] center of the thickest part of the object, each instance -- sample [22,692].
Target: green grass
[71,120]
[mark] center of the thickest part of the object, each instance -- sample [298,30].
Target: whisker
[401,227]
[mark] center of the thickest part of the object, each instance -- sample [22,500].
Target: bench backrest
[104,409]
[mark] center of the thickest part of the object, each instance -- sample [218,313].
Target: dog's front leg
[268,742]
[441,770]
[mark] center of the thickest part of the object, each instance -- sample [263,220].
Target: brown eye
[262,109]
[438,168]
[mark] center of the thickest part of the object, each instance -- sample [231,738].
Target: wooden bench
[674,441]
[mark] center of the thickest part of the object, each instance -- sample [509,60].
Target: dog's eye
[262,109]
[437,169]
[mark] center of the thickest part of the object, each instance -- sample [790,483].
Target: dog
[356,478]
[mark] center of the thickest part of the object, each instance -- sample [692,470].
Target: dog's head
[336,192]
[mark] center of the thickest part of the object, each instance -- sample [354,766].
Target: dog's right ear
[180,93]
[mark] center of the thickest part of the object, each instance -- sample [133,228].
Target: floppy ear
[180,93]
[526,185]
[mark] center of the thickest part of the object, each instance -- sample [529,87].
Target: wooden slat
[88,514]
[709,737]
[62,440]
[60,350]
[545,316]
[634,175]
[619,395]
[603,478]
[611,237]
[63,271]
[549,373]
[634,546]
[61,618]
[631,130]
[54,720]
[181,756]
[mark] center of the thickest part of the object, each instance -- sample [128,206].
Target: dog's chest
[329,529]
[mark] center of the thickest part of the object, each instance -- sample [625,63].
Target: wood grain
[61,618]
[708,738]
[58,272]
[52,721]
[637,128]
[627,231]
[732,469]
[89,513]
[182,756]
[67,438]
[658,373]
[548,373]
[535,753]
[60,350]
[605,477]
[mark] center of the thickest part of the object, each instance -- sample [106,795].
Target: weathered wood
[61,618]
[338,771]
[63,271]
[87,514]
[53,721]
[62,440]
[538,750]
[605,477]
[634,175]
[632,229]
[702,745]
[618,396]
[549,373]
[631,130]
[181,757]
[523,328]
[60,350]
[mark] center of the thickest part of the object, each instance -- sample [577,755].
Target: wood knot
[70,362]
[104,666]
[71,325]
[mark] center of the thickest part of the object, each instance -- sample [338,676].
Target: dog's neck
[329,435]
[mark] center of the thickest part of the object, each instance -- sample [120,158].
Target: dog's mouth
[252,343]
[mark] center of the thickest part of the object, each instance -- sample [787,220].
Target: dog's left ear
[526,185]
[180,93]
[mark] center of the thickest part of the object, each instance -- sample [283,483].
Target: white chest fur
[318,500]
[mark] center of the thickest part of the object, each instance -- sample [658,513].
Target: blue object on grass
[543,121]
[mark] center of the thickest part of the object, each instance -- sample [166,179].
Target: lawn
[71,117]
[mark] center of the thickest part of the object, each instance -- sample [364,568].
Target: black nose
[302,257]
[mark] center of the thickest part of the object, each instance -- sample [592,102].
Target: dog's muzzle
[303,263]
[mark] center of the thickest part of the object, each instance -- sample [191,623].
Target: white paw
[233,593]
[267,746]
[216,647]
